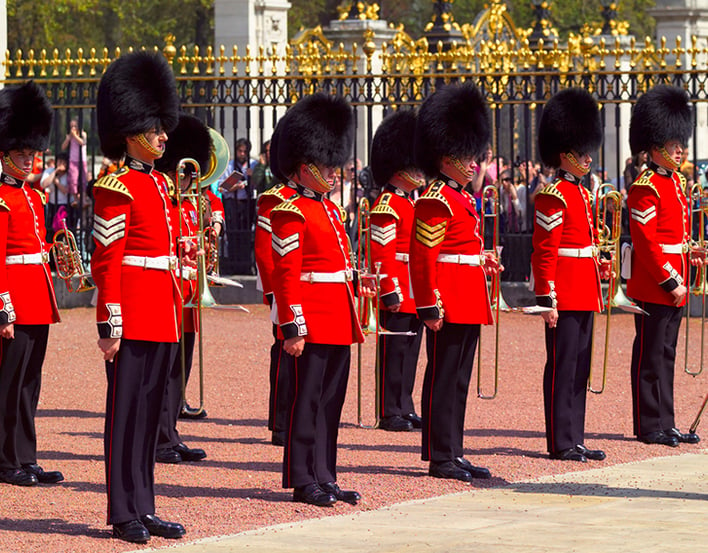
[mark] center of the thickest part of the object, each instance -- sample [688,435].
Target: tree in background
[71,24]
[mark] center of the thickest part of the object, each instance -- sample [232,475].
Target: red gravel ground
[238,486]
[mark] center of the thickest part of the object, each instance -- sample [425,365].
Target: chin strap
[668,159]
[311,177]
[11,169]
[574,162]
[143,141]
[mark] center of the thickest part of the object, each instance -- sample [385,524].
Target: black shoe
[690,438]
[162,528]
[448,469]
[476,472]
[277,438]
[132,531]
[167,455]
[570,454]
[660,437]
[592,454]
[348,496]
[18,477]
[396,423]
[188,453]
[314,495]
[414,419]
[188,412]
[44,477]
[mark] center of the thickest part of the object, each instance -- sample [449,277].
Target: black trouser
[137,380]
[280,393]
[168,436]
[398,357]
[445,385]
[320,384]
[652,372]
[21,362]
[565,379]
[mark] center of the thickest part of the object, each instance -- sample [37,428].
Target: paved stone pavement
[654,506]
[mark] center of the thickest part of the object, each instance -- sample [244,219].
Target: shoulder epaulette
[171,188]
[433,193]
[111,182]
[273,192]
[645,180]
[289,207]
[4,205]
[342,214]
[551,189]
[42,196]
[383,206]
[682,179]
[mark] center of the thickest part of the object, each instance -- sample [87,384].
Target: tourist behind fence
[262,177]
[448,268]
[27,301]
[56,189]
[75,143]
[138,307]
[661,124]
[314,293]
[567,269]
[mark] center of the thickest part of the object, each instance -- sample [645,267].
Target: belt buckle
[685,247]
[312,278]
[348,276]
[172,263]
[45,257]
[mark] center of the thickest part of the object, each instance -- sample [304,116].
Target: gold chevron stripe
[428,235]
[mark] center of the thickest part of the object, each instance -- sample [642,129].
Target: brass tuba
[67,259]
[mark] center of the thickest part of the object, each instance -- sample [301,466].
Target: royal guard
[27,302]
[279,398]
[394,170]
[139,305]
[190,139]
[313,285]
[566,268]
[449,268]
[661,124]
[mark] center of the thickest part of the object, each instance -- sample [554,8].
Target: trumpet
[67,260]
[491,193]
[608,220]
[698,209]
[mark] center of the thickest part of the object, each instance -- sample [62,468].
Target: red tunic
[391,223]
[564,260]
[217,207]
[659,227]
[26,289]
[310,245]
[263,239]
[447,228]
[132,218]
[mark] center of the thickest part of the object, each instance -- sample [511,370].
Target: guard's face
[577,163]
[674,149]
[150,144]
[18,163]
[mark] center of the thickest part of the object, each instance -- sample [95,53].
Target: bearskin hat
[570,121]
[317,129]
[662,114]
[136,93]
[453,121]
[393,147]
[190,138]
[25,118]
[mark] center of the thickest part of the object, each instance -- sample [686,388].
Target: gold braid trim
[551,189]
[383,206]
[288,207]
[433,193]
[645,180]
[42,196]
[4,205]
[110,182]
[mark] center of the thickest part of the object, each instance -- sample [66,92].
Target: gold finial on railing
[30,63]
[182,60]
[261,60]
[67,62]
[80,62]
[209,60]
[248,59]
[693,50]
[678,52]
[195,59]
[169,51]
[234,60]
[18,63]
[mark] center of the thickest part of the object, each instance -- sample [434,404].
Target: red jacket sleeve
[7,311]
[547,233]
[263,247]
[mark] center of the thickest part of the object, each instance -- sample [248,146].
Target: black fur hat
[25,118]
[662,114]
[136,93]
[317,129]
[190,138]
[393,147]
[453,121]
[570,121]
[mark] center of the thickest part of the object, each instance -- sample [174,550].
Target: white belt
[587,251]
[402,257]
[339,276]
[161,263]
[27,259]
[672,248]
[460,259]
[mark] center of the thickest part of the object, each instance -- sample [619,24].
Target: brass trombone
[491,193]
[608,209]
[368,310]
[698,208]
[67,259]
[697,420]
